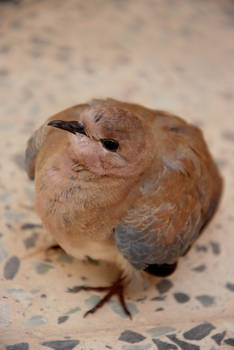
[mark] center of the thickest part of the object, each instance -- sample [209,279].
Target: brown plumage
[123,183]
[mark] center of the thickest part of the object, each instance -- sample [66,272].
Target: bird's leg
[115,289]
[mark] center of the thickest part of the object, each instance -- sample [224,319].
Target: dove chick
[123,183]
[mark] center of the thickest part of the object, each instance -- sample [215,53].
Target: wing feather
[34,144]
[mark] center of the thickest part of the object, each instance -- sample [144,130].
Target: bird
[129,185]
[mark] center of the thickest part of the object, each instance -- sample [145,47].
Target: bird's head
[107,139]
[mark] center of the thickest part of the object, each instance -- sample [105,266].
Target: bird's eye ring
[110,145]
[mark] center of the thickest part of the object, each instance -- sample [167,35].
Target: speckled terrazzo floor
[175,55]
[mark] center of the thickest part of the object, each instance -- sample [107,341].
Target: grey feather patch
[140,248]
[30,154]
[34,144]
[146,247]
[175,165]
[148,186]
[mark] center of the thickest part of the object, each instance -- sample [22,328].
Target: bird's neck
[71,196]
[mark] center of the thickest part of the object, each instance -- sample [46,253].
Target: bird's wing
[34,144]
[162,228]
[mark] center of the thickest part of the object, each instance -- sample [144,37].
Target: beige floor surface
[174,55]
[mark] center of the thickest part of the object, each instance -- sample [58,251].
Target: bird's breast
[68,206]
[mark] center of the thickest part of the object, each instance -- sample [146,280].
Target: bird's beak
[72,126]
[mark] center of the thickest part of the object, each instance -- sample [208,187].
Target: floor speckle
[36,320]
[199,332]
[229,341]
[164,286]
[218,337]
[230,286]
[19,346]
[206,300]
[42,268]
[181,297]
[131,337]
[61,344]
[11,267]
[160,330]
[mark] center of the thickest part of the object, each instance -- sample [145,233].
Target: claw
[116,289]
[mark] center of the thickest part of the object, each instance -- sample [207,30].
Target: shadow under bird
[123,183]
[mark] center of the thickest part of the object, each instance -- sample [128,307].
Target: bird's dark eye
[110,145]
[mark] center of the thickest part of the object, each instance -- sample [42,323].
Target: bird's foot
[42,249]
[115,289]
